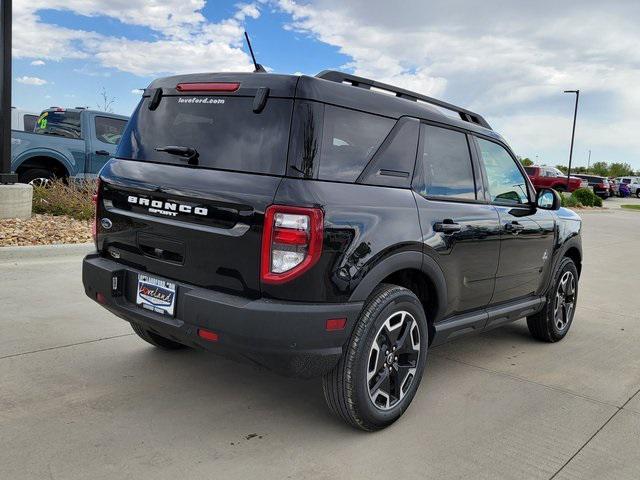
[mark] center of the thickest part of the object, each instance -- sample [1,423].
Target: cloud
[31,81]
[38,63]
[137,91]
[509,61]
[185,40]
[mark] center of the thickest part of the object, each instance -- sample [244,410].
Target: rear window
[349,140]
[59,122]
[30,122]
[224,130]
[109,130]
[446,165]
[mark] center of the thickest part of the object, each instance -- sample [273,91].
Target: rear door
[527,234]
[201,224]
[460,230]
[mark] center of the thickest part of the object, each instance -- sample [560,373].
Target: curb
[44,252]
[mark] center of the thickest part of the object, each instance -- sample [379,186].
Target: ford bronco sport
[325,226]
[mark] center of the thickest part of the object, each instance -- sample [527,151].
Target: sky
[508,60]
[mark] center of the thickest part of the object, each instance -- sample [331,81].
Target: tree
[106,102]
[600,168]
[526,162]
[620,169]
[562,168]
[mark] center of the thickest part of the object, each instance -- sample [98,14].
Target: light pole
[573,132]
[589,161]
[5,95]
[15,198]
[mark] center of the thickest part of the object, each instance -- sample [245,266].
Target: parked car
[287,220]
[614,189]
[551,177]
[633,183]
[23,120]
[72,142]
[600,185]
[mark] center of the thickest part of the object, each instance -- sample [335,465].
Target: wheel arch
[55,165]
[574,254]
[414,271]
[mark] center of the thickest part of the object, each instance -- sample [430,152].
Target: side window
[30,122]
[109,130]
[349,141]
[446,164]
[507,185]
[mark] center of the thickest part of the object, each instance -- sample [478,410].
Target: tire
[36,176]
[560,188]
[638,193]
[553,322]
[390,312]
[155,339]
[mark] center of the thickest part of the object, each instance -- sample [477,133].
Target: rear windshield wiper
[189,153]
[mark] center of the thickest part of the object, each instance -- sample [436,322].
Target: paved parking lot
[80,397]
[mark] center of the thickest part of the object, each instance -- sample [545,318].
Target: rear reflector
[207,87]
[100,298]
[207,335]
[335,324]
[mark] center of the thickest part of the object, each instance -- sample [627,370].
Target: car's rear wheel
[638,193]
[380,371]
[38,177]
[552,323]
[155,339]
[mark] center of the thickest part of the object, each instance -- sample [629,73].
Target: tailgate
[199,226]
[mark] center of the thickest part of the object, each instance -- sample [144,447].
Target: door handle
[514,227]
[447,226]
[102,152]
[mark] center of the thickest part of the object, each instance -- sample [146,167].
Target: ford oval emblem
[106,223]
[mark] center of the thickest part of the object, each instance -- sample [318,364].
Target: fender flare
[68,165]
[401,261]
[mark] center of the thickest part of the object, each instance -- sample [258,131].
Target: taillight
[291,242]
[208,87]
[96,200]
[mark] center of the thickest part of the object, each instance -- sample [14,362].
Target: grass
[72,198]
[631,207]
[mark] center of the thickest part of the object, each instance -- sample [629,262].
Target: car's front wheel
[552,323]
[377,377]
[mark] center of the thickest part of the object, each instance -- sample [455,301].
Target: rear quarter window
[349,141]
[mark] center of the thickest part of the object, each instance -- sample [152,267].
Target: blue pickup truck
[72,142]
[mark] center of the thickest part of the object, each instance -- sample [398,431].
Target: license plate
[156,295]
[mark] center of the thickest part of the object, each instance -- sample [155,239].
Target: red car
[551,177]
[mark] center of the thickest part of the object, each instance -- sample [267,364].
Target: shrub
[597,201]
[570,201]
[585,196]
[71,198]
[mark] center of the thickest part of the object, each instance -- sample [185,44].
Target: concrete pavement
[80,397]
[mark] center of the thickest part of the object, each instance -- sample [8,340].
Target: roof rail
[361,82]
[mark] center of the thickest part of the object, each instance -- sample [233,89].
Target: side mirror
[548,199]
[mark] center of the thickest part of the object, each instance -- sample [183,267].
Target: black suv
[325,226]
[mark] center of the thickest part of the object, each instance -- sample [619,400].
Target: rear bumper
[287,337]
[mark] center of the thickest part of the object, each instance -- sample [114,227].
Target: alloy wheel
[565,301]
[40,182]
[393,360]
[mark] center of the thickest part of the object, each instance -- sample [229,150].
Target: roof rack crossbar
[361,82]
